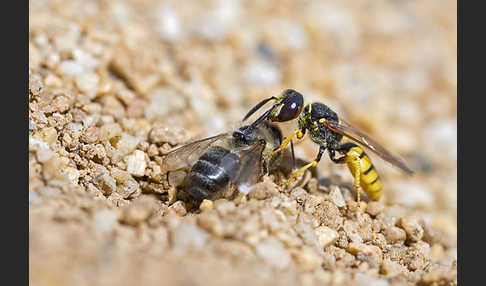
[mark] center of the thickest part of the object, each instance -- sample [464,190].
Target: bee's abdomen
[212,173]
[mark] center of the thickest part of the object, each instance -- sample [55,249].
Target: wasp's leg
[297,173]
[284,144]
[353,159]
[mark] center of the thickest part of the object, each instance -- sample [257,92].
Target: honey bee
[335,135]
[231,158]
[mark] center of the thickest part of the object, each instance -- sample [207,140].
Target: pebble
[110,131]
[371,253]
[187,236]
[44,154]
[88,84]
[169,25]
[261,74]
[178,208]
[390,268]
[336,196]
[307,259]
[395,234]
[206,205]
[326,236]
[374,208]
[274,253]
[70,68]
[412,195]
[136,163]
[104,221]
[106,183]
[413,226]
[212,223]
[160,134]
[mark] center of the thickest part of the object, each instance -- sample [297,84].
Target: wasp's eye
[292,105]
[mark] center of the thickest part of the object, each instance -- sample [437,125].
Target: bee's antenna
[258,106]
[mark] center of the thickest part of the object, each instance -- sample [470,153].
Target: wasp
[335,135]
[234,158]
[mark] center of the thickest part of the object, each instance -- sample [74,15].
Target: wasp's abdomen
[212,173]
[369,180]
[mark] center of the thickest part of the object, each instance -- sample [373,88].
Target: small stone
[88,84]
[44,154]
[263,190]
[224,206]
[390,268]
[164,133]
[120,176]
[273,252]
[178,208]
[187,236]
[212,223]
[374,208]
[372,254]
[351,230]
[90,135]
[104,221]
[307,259]
[206,205]
[136,163]
[70,68]
[105,183]
[139,211]
[128,188]
[337,197]
[326,236]
[413,226]
[110,131]
[395,234]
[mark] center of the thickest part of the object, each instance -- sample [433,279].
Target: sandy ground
[115,85]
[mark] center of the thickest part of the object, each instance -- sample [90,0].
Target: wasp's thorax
[309,120]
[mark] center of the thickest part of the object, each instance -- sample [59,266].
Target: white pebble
[136,163]
[274,253]
[70,68]
[88,84]
[168,24]
[411,195]
[326,236]
[104,220]
[337,197]
[261,73]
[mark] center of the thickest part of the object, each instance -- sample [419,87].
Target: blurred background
[196,67]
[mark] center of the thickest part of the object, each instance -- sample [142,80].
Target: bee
[231,158]
[334,134]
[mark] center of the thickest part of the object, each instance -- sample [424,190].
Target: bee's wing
[188,154]
[354,134]
[251,168]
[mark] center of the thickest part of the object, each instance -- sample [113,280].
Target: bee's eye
[292,105]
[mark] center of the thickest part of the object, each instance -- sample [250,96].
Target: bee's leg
[297,173]
[284,144]
[353,159]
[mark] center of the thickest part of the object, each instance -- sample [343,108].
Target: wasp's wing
[354,134]
[186,155]
[251,167]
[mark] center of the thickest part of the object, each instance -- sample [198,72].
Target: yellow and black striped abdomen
[359,164]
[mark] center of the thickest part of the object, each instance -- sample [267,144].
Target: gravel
[114,87]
